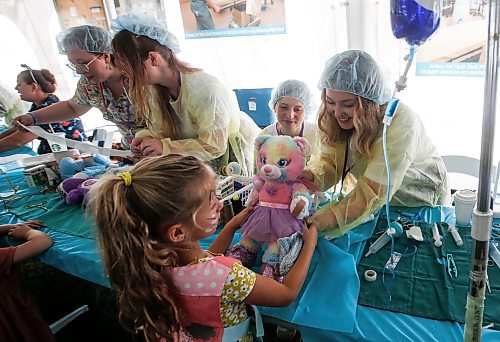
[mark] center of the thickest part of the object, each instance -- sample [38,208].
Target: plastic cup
[56,146]
[465,200]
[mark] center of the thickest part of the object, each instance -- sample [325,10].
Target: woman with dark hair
[38,86]
[186,110]
[101,86]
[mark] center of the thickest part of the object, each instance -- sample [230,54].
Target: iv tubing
[389,114]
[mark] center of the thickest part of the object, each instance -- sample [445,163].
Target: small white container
[465,200]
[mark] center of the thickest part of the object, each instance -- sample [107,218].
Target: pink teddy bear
[281,201]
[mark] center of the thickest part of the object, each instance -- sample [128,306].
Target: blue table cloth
[325,310]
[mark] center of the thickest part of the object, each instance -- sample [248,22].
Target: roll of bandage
[370,276]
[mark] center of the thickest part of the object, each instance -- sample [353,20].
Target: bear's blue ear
[261,139]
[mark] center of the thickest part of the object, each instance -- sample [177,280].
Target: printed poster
[230,18]
[458,48]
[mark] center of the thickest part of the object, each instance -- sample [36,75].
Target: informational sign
[458,48]
[229,18]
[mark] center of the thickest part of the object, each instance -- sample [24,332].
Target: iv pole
[483,216]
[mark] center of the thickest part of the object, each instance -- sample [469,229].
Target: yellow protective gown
[10,104]
[418,175]
[211,119]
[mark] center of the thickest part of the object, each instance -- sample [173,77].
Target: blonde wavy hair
[367,121]
[131,222]
[130,51]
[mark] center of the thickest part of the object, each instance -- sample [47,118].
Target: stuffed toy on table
[93,166]
[281,201]
[75,189]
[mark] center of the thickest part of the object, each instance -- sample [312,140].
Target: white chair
[462,165]
[458,166]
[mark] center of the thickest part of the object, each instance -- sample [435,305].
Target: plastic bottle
[395,229]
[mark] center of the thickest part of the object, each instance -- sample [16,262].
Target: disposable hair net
[294,89]
[145,25]
[355,72]
[84,38]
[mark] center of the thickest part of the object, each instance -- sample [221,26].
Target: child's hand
[310,234]
[7,228]
[34,223]
[238,220]
[20,232]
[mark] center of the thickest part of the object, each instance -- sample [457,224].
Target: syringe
[456,236]
[394,230]
[436,236]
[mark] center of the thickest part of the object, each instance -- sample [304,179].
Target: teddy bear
[280,201]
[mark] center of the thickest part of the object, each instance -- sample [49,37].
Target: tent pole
[483,215]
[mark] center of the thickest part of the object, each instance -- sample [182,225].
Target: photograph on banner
[230,18]
[154,8]
[458,48]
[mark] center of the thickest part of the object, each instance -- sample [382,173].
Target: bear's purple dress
[271,219]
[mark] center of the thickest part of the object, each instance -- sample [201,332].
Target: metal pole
[483,216]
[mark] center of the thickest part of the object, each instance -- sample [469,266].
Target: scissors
[38,205]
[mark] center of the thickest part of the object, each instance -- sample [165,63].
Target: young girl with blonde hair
[150,221]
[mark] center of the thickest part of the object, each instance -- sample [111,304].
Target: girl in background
[150,221]
[38,86]
[293,103]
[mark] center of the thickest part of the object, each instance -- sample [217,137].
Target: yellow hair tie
[127,178]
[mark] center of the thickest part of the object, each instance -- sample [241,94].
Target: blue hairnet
[84,38]
[294,89]
[355,72]
[145,25]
